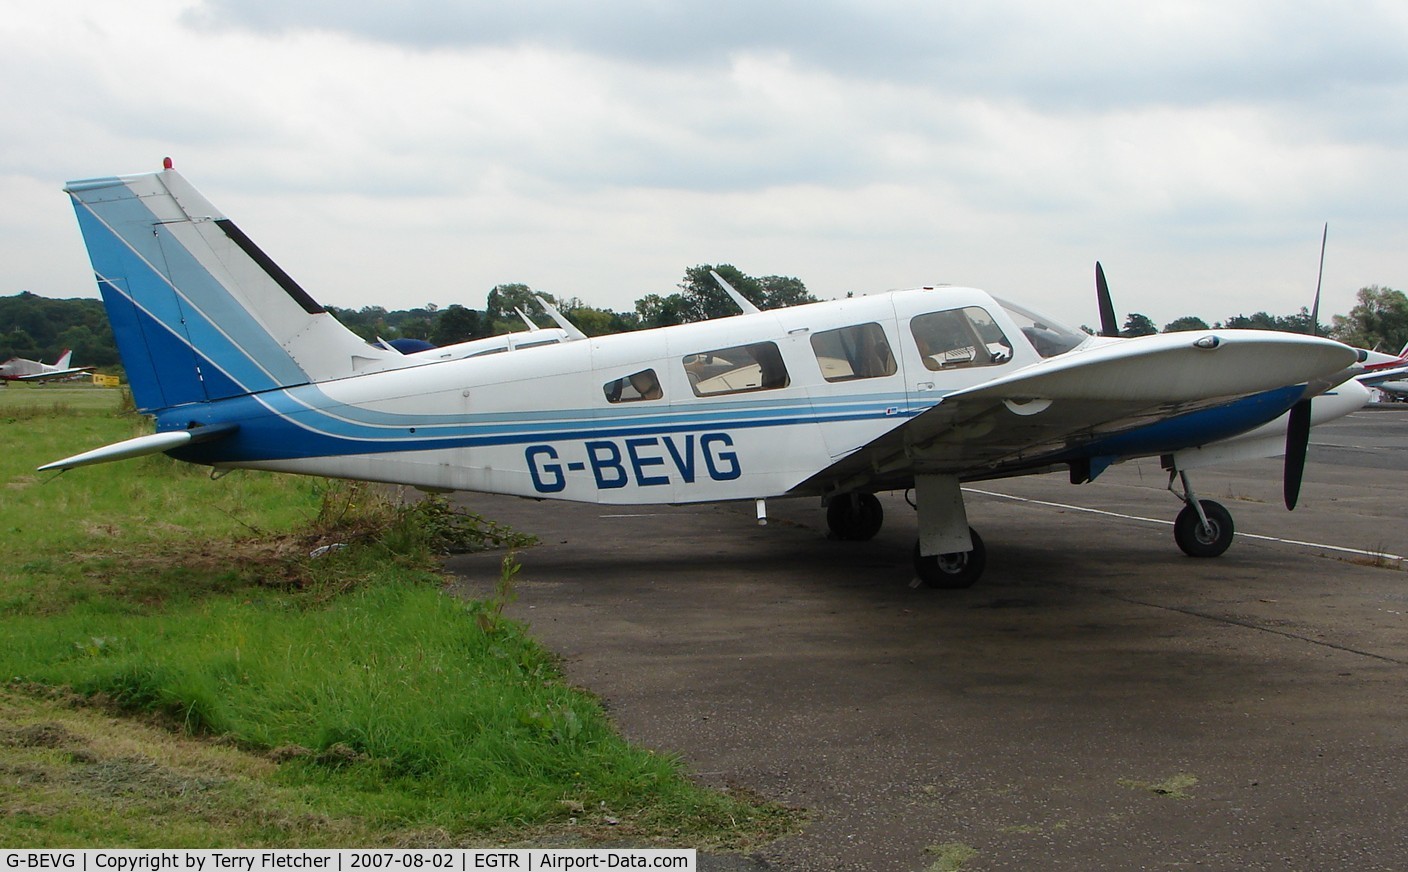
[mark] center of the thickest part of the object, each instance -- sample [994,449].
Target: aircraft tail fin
[64,359]
[200,313]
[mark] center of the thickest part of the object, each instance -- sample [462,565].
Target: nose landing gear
[1204,528]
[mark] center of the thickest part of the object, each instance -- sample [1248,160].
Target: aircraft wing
[1133,397]
[1379,376]
[53,374]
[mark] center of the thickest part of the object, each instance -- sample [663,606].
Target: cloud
[435,149]
[1094,55]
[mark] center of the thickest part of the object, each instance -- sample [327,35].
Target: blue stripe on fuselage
[275,426]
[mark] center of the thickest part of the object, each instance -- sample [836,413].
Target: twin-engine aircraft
[921,389]
[25,370]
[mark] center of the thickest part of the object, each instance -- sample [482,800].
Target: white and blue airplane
[921,389]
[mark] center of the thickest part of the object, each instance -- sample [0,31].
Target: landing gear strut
[1204,528]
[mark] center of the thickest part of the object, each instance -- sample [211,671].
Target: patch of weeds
[140,776]
[46,412]
[489,612]
[951,856]
[358,533]
[1378,558]
[42,735]
[1174,787]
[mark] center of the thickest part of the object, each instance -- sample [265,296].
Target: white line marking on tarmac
[1375,554]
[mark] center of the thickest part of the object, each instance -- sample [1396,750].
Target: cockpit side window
[959,338]
[643,385]
[755,367]
[853,353]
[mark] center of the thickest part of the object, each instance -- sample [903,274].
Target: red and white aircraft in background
[22,369]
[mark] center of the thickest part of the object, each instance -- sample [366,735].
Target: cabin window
[959,338]
[643,385]
[853,353]
[1048,336]
[755,367]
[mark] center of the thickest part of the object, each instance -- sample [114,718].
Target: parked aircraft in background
[924,389]
[1386,373]
[21,369]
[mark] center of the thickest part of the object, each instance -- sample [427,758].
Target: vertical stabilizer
[199,311]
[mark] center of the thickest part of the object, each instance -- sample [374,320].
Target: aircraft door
[947,349]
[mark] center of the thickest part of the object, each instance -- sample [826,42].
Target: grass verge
[169,646]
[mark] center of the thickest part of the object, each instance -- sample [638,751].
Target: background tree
[368,322]
[1187,322]
[505,300]
[456,324]
[780,291]
[704,299]
[1378,320]
[1300,322]
[597,322]
[40,328]
[18,343]
[653,310]
[1138,325]
[417,323]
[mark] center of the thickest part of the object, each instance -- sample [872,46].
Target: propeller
[1297,441]
[1298,424]
[1315,308]
[1109,324]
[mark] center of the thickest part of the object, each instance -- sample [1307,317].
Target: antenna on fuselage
[532,328]
[567,326]
[742,301]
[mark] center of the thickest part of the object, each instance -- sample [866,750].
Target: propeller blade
[1109,324]
[1297,441]
[1315,309]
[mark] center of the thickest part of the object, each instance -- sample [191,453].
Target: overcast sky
[417,151]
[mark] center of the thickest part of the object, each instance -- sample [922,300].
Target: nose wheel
[1204,528]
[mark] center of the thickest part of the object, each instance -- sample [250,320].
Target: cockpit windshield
[1048,336]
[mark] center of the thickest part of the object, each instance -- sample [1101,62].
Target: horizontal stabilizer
[140,446]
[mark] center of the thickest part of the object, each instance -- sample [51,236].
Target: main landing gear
[1204,528]
[956,555]
[955,570]
[855,517]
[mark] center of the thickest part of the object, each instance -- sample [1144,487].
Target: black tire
[952,571]
[855,517]
[1195,541]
